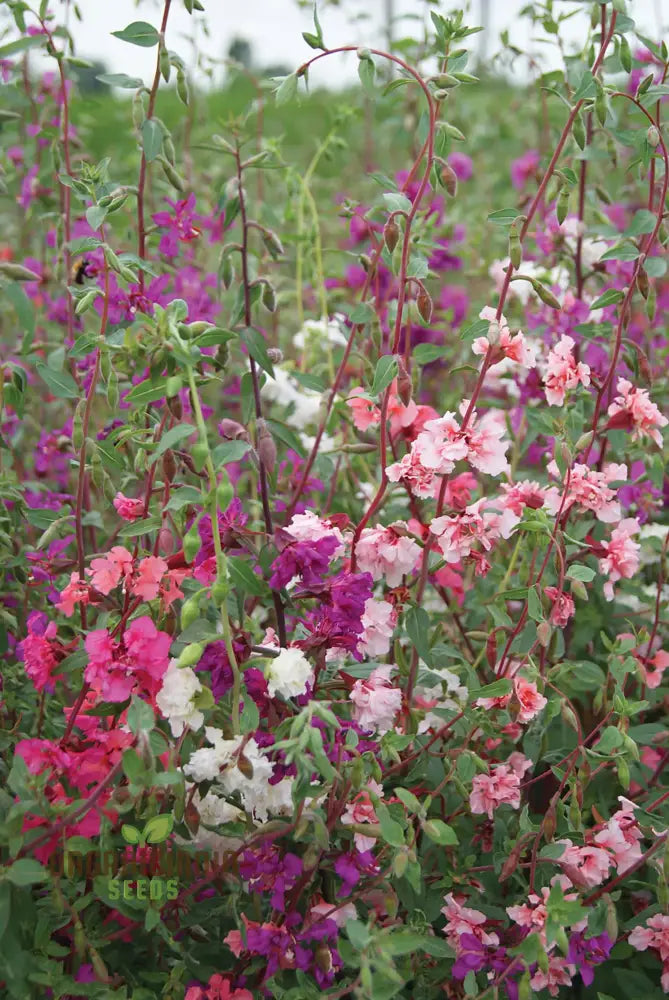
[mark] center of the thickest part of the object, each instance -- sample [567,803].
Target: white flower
[315,332]
[288,674]
[176,698]
[284,389]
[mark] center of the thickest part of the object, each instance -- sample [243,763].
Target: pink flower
[386,554]
[420,481]
[41,652]
[462,165]
[621,836]
[622,554]
[107,572]
[503,342]
[654,935]
[128,509]
[486,447]
[150,572]
[633,410]
[440,444]
[378,622]
[563,606]
[361,810]
[465,920]
[524,168]
[489,791]
[376,701]
[136,663]
[563,372]
[590,489]
[529,699]
[456,535]
[76,592]
[365,411]
[586,866]
[658,663]
[308,527]
[558,974]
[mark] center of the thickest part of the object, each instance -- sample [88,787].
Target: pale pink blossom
[529,699]
[76,592]
[441,444]
[590,489]
[517,496]
[486,445]
[534,914]
[365,411]
[622,555]
[559,974]
[462,919]
[401,416]
[386,554]
[503,343]
[150,572]
[519,763]
[457,534]
[633,410]
[655,935]
[127,508]
[489,791]
[652,668]
[309,527]
[621,836]
[361,810]
[376,702]
[585,866]
[563,606]
[378,621]
[420,482]
[332,911]
[563,372]
[108,571]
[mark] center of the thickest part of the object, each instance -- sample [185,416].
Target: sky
[274,29]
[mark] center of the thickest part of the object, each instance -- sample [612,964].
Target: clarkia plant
[333,521]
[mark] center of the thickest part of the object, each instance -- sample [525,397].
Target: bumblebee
[80,271]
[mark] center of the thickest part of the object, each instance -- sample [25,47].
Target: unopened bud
[190,611]
[391,234]
[546,295]
[584,441]
[515,246]
[578,589]
[224,492]
[182,87]
[544,632]
[578,131]
[269,296]
[651,303]
[174,406]
[562,206]
[113,394]
[449,179]
[245,766]
[653,136]
[169,466]
[191,543]
[78,426]
[226,271]
[190,655]
[266,448]
[173,177]
[199,454]
[404,385]
[272,243]
[424,304]
[365,262]
[642,282]
[164,63]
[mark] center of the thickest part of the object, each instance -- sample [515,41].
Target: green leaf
[642,223]
[229,451]
[495,690]
[243,578]
[184,496]
[402,943]
[386,371]
[586,88]
[391,831]
[409,800]
[23,307]
[621,251]
[5,906]
[609,298]
[121,80]
[136,528]
[503,217]
[257,348]
[479,328]
[655,267]
[172,438]
[395,201]
[152,139]
[133,767]
[534,608]
[287,90]
[21,45]
[140,716]
[578,572]
[367,72]
[417,624]
[27,871]
[147,391]
[249,719]
[60,384]
[440,832]
[610,740]
[139,33]
[423,354]
[363,313]
[418,266]
[95,216]
[158,828]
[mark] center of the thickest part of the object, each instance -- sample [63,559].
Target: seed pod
[391,234]
[562,206]
[219,591]
[169,464]
[190,611]
[578,131]
[653,136]
[113,394]
[642,282]
[449,179]
[245,766]
[173,177]
[269,296]
[191,543]
[546,295]
[138,112]
[266,448]
[78,426]
[226,271]
[199,453]
[224,492]
[544,633]
[182,87]
[272,243]
[190,654]
[601,107]
[651,302]
[164,63]
[424,304]
[86,301]
[625,54]
[174,406]
[515,246]
[97,472]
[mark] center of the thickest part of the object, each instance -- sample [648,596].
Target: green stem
[221,562]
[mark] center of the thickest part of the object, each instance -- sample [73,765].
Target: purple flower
[351,867]
[266,869]
[586,953]
[307,560]
[178,225]
[524,167]
[462,165]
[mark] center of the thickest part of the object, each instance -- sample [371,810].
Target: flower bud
[174,406]
[424,304]
[578,589]
[651,303]
[224,492]
[562,207]
[544,633]
[391,234]
[515,246]
[546,295]
[191,543]
[449,179]
[578,131]
[226,271]
[173,177]
[165,541]
[190,655]
[169,464]
[266,448]
[404,385]
[164,63]
[182,87]
[219,591]
[78,426]
[653,136]
[584,441]
[272,243]
[269,296]
[190,611]
[199,454]
[245,766]
[363,53]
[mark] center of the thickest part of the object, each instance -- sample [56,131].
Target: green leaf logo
[158,829]
[131,834]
